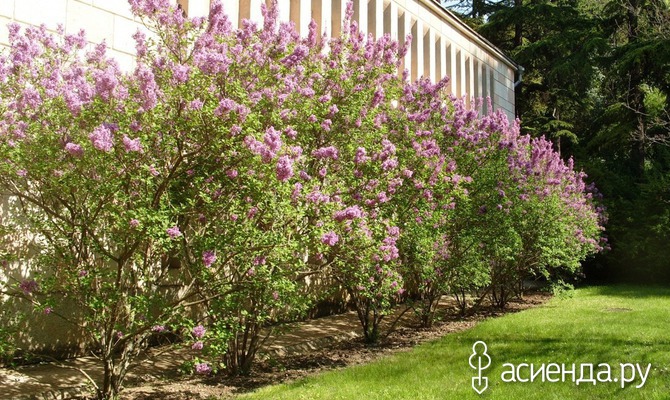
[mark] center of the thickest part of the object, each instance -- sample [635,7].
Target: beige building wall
[108,20]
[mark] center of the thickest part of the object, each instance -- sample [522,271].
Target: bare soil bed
[272,371]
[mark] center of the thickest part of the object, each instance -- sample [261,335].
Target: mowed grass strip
[608,324]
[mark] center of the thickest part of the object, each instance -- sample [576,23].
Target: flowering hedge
[236,164]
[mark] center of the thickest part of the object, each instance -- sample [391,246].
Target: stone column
[417,50]
[323,9]
[452,62]
[338,9]
[432,56]
[404,29]
[232,9]
[361,15]
[376,18]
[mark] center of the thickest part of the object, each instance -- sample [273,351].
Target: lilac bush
[350,179]
[489,207]
[95,163]
[241,224]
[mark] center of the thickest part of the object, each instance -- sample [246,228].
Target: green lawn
[591,327]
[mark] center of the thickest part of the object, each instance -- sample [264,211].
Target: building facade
[441,43]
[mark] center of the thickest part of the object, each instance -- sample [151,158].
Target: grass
[609,324]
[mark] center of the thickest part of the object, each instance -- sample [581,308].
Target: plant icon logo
[480,360]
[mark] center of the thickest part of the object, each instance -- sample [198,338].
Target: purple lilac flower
[317,197]
[272,139]
[326,152]
[149,90]
[225,106]
[199,331]
[158,328]
[378,97]
[203,368]
[174,232]
[252,212]
[196,104]
[284,168]
[102,138]
[291,133]
[74,149]
[131,144]
[28,286]
[180,73]
[389,164]
[198,345]
[360,156]
[348,213]
[326,124]
[208,258]
[31,99]
[296,191]
[259,148]
[105,82]
[330,238]
[298,54]
[140,43]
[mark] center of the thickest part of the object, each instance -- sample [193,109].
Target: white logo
[479,360]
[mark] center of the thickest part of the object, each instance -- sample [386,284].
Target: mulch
[274,370]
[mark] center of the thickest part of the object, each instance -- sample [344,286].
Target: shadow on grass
[631,291]
[582,350]
[295,367]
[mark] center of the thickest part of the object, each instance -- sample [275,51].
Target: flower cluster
[199,331]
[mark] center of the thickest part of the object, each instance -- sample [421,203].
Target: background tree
[626,145]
